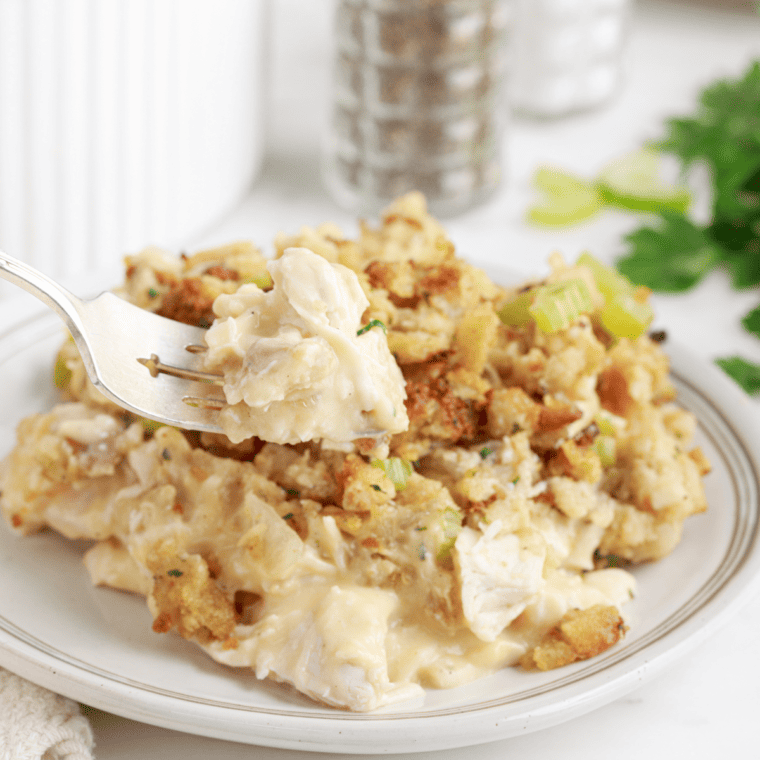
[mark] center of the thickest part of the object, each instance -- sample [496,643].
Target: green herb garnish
[745,373]
[670,257]
[175,573]
[372,323]
[676,253]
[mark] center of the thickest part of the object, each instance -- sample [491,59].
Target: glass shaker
[568,55]
[419,102]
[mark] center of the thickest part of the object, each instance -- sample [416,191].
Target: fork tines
[156,367]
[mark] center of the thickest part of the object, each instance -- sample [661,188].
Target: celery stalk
[609,281]
[558,305]
[552,307]
[566,199]
[61,373]
[625,317]
[633,182]
[450,527]
[624,314]
[606,448]
[515,313]
[398,470]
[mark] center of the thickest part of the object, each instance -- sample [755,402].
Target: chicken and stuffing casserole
[481,467]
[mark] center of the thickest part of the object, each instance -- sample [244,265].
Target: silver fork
[120,346]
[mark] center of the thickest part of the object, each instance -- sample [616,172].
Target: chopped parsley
[372,323]
[676,253]
[745,373]
[175,573]
[671,256]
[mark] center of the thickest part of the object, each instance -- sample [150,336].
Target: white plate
[96,645]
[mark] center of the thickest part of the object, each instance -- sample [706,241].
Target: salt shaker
[567,55]
[419,102]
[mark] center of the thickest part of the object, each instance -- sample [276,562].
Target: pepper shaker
[419,102]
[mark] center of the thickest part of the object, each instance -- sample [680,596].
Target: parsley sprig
[675,253]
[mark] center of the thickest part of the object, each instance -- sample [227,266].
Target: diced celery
[556,181]
[633,182]
[262,280]
[606,449]
[567,199]
[626,317]
[515,313]
[451,527]
[608,280]
[398,470]
[625,313]
[605,424]
[552,307]
[61,373]
[558,305]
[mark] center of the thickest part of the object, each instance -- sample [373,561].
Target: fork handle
[60,300]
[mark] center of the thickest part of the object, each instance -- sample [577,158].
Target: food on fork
[298,364]
[544,457]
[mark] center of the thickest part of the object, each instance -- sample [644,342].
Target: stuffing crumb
[580,634]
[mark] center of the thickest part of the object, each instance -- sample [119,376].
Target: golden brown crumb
[702,462]
[188,302]
[436,412]
[613,391]
[223,273]
[553,418]
[580,634]
[187,598]
[574,461]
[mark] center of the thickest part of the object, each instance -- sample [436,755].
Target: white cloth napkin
[36,724]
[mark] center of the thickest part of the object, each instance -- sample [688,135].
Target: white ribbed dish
[124,123]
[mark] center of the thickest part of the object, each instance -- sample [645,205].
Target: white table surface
[707,705]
